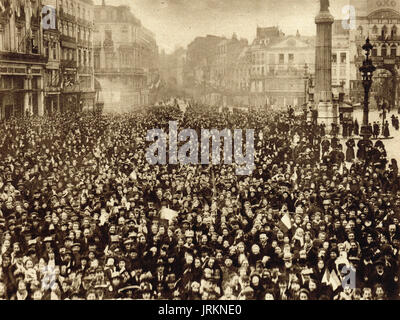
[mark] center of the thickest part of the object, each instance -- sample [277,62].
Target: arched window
[384,51]
[384,32]
[360,30]
[375,30]
[394,31]
[374,51]
[393,51]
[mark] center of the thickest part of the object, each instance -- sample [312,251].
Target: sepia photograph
[210,150]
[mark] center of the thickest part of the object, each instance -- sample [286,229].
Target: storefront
[21,91]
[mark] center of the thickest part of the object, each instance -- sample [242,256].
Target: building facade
[74,57]
[242,71]
[173,66]
[341,57]
[279,66]
[125,58]
[222,72]
[380,21]
[201,55]
[22,59]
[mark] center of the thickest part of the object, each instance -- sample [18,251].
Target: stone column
[40,97]
[27,87]
[327,112]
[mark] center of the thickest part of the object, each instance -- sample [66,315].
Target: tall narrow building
[125,58]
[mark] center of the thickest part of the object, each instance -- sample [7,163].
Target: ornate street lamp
[367,71]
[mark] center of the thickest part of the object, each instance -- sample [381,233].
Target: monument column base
[365,132]
[327,113]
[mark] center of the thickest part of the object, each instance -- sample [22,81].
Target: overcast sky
[178,22]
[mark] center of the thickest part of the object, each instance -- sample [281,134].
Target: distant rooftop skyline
[178,22]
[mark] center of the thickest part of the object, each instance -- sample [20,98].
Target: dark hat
[380,262]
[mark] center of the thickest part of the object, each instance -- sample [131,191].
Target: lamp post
[305,89]
[367,71]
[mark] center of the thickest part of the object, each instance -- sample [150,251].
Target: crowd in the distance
[80,212]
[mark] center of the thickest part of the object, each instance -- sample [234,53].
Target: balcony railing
[378,59]
[70,64]
[85,70]
[84,22]
[108,43]
[24,57]
[389,38]
[66,16]
[136,71]
[65,38]
[84,43]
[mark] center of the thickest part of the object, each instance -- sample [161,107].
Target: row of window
[272,68]
[115,15]
[83,56]
[12,82]
[24,43]
[68,29]
[385,51]
[341,73]
[384,31]
[51,50]
[267,85]
[222,49]
[111,62]
[343,58]
[69,7]
[260,58]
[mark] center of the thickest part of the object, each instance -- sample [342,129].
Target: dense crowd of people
[81,212]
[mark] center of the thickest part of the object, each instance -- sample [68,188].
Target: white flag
[168,214]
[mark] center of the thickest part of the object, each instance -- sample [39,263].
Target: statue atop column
[324,5]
